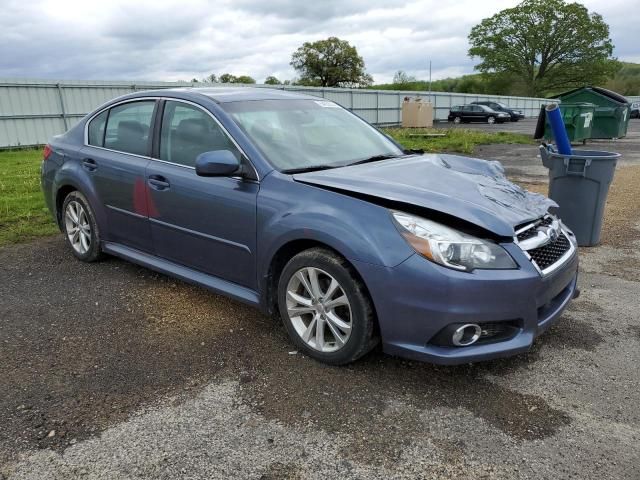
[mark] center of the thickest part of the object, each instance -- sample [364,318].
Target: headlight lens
[449,247]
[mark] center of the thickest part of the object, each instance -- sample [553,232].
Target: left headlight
[449,247]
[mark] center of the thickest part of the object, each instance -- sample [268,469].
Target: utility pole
[429,80]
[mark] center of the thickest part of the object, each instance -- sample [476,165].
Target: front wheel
[80,227]
[325,308]
[491,120]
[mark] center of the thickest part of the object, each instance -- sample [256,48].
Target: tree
[244,79]
[330,63]
[403,78]
[271,80]
[227,78]
[210,78]
[549,45]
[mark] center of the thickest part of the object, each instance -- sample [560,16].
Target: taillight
[46,152]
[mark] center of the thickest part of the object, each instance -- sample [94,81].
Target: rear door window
[129,126]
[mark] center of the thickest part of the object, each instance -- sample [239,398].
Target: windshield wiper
[312,168]
[374,158]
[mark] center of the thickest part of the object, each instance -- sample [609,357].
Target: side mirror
[217,163]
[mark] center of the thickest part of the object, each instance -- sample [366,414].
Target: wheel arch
[285,253]
[61,194]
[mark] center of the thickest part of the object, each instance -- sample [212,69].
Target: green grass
[455,139]
[23,214]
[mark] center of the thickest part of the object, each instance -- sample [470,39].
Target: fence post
[62,107]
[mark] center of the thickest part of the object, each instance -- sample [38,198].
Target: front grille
[531,231]
[548,254]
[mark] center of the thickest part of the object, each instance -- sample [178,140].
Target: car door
[467,113]
[116,157]
[479,113]
[206,223]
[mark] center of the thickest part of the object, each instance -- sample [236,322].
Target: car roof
[233,94]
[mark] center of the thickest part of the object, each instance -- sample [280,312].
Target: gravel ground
[110,371]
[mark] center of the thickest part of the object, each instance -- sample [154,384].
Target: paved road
[110,371]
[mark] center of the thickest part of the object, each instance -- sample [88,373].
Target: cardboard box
[417,114]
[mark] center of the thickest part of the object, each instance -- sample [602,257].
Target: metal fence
[31,111]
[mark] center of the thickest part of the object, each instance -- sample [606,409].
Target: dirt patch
[621,225]
[81,354]
[573,333]
[355,400]
[586,306]
[635,330]
[282,471]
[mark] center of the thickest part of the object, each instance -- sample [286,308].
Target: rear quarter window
[96,129]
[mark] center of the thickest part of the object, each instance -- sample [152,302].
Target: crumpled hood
[468,188]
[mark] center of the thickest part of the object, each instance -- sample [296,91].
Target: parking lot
[112,371]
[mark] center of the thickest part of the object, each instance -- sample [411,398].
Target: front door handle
[89,164]
[158,182]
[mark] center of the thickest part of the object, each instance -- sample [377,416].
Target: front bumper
[417,299]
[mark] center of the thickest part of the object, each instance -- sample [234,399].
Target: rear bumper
[417,299]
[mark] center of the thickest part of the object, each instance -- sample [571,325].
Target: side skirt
[215,284]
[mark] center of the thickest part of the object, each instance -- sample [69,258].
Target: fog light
[466,335]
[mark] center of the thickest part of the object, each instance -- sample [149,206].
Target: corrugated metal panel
[341,98]
[31,111]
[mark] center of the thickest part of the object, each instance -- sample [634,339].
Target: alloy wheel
[77,227]
[319,309]
[491,120]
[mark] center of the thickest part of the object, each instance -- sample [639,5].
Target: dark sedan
[514,114]
[476,113]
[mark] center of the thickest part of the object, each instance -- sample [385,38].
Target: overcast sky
[179,40]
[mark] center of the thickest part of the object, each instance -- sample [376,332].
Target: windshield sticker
[327,104]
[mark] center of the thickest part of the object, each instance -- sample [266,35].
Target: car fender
[358,230]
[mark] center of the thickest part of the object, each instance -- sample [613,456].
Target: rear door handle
[158,182]
[89,164]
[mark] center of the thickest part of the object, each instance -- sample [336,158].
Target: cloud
[174,40]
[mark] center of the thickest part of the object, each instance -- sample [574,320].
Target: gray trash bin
[579,184]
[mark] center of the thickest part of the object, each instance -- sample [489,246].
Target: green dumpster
[578,120]
[611,116]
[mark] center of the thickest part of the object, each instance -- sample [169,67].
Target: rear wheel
[325,307]
[80,227]
[491,120]
[457,120]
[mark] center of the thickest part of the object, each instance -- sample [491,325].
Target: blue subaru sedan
[297,206]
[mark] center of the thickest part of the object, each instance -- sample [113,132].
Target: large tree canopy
[330,63]
[549,45]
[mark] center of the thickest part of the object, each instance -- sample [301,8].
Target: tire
[321,267]
[491,120]
[457,120]
[80,228]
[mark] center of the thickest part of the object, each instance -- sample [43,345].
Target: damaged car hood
[467,188]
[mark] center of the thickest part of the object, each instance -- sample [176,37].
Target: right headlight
[449,247]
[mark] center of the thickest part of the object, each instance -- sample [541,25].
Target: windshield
[299,134]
